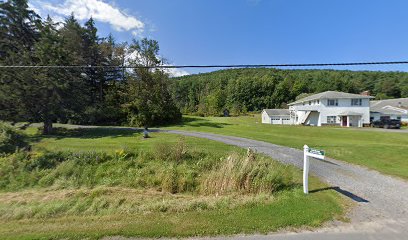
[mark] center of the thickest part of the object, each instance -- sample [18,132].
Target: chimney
[365,93]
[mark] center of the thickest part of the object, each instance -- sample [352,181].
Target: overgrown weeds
[170,168]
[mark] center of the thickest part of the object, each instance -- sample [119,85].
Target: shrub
[10,139]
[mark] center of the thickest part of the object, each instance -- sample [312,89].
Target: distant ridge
[246,89]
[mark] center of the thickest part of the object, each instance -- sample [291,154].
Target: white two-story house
[331,108]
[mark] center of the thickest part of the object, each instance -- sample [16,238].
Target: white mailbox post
[309,152]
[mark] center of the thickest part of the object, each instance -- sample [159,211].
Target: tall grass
[170,177]
[170,168]
[247,174]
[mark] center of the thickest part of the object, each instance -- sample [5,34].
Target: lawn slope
[99,182]
[385,152]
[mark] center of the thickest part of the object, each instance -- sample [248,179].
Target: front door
[344,121]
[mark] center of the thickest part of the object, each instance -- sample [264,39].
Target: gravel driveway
[381,210]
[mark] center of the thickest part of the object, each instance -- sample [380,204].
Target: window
[356,102]
[331,119]
[332,102]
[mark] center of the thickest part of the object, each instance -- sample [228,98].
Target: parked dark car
[387,123]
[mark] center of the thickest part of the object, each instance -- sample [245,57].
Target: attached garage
[276,116]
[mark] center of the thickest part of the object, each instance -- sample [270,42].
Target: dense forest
[89,90]
[242,90]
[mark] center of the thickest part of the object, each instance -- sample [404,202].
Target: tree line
[139,96]
[242,90]
[109,95]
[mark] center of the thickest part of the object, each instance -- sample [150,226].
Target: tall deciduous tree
[149,101]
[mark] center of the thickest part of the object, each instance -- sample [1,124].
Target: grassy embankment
[385,152]
[99,182]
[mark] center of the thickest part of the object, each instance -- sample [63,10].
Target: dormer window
[332,102]
[356,102]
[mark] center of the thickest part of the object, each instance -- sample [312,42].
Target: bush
[10,139]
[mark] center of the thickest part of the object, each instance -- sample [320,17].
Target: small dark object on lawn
[226,113]
[146,133]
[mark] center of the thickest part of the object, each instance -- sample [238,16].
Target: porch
[351,119]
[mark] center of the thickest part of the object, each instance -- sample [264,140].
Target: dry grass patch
[100,201]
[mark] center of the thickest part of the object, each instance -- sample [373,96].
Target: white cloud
[34,8]
[97,9]
[58,19]
[176,72]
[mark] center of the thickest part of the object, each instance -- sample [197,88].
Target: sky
[208,32]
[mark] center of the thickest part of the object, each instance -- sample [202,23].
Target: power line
[213,66]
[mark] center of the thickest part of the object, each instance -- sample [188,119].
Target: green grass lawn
[291,210]
[385,152]
[109,140]
[123,194]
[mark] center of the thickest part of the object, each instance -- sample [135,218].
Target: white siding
[313,119]
[375,116]
[265,118]
[286,120]
[344,105]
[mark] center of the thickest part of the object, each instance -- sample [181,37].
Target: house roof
[329,95]
[390,106]
[397,102]
[350,113]
[277,112]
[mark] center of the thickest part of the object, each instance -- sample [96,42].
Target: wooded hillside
[241,90]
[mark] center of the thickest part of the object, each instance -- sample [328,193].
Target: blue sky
[253,31]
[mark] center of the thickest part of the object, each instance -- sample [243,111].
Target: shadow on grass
[201,122]
[326,161]
[88,133]
[348,194]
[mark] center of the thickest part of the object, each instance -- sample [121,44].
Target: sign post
[309,152]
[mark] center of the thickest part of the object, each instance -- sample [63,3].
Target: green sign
[316,151]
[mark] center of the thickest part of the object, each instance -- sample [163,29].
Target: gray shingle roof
[277,112]
[330,95]
[390,106]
